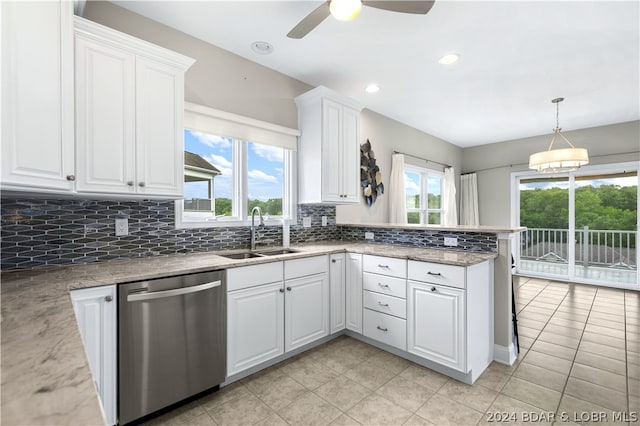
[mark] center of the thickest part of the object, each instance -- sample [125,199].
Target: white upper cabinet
[37,96]
[329,144]
[129,114]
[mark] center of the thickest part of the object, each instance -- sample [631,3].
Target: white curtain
[449,195]
[397,196]
[469,200]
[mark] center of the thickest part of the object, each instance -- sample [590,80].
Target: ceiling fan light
[345,10]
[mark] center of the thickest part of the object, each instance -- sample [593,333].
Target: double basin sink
[262,253]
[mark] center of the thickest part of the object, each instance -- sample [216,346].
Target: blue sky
[265,165]
[412,184]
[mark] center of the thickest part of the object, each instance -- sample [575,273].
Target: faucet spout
[255,210]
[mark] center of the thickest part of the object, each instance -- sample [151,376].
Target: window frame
[239,158]
[424,209]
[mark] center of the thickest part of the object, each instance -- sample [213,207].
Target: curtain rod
[420,158]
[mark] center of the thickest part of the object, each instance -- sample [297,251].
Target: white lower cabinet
[386,329]
[437,328]
[337,292]
[274,308]
[353,281]
[96,310]
[255,330]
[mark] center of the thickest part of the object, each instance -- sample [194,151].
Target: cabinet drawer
[386,329]
[396,287]
[306,266]
[385,304]
[253,275]
[437,273]
[385,265]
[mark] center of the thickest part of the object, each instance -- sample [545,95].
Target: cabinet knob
[130,183]
[433,289]
[71,177]
[333,261]
[382,329]
[108,298]
[282,290]
[141,184]
[288,288]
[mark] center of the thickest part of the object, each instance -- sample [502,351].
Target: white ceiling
[515,57]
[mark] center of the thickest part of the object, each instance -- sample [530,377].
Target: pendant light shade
[558,160]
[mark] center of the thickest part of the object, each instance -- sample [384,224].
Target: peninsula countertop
[45,374]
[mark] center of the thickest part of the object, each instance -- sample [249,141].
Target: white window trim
[216,122]
[424,201]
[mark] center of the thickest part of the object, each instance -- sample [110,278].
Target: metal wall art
[370,176]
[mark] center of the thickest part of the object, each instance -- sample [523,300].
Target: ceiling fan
[346,10]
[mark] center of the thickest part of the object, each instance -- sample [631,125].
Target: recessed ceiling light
[262,47]
[372,88]
[449,58]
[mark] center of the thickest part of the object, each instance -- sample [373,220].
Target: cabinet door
[255,326]
[353,278]
[159,128]
[337,292]
[95,310]
[306,310]
[436,319]
[105,127]
[332,151]
[37,95]
[350,167]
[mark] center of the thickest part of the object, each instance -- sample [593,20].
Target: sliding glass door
[581,226]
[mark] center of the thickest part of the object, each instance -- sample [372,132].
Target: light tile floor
[580,355]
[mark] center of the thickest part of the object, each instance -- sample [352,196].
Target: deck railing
[616,249]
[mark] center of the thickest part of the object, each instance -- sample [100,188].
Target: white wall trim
[505,355]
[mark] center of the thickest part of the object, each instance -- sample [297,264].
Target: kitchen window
[423,189]
[226,176]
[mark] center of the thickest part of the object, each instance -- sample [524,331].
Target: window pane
[434,218]
[413,217]
[434,188]
[208,161]
[412,189]
[265,178]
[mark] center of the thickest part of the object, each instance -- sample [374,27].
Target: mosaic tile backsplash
[38,232]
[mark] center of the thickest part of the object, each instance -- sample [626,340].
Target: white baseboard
[505,354]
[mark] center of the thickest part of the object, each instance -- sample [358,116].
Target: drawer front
[386,329]
[437,273]
[306,266]
[385,304]
[253,275]
[385,265]
[395,287]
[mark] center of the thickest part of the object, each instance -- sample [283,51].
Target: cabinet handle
[130,183]
[141,184]
[108,298]
[288,288]
[383,266]
[383,285]
[433,289]
[386,305]
[333,261]
[282,290]
[382,329]
[437,274]
[71,177]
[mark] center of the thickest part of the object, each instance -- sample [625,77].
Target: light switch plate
[122,227]
[324,221]
[451,241]
[306,222]
[368,235]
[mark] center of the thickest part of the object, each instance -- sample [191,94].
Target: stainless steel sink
[277,252]
[241,255]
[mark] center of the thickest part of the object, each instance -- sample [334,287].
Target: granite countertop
[45,375]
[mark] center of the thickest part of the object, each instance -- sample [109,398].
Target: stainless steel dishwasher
[171,341]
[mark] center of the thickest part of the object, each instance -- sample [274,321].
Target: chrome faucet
[253,225]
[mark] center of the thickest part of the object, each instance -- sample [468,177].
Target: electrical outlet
[306,222]
[451,241]
[324,221]
[122,227]
[368,235]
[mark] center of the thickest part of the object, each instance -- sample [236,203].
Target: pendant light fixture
[558,160]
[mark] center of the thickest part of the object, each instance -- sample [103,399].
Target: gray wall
[223,80]
[606,144]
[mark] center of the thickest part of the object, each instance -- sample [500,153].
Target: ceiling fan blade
[310,21]
[417,7]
